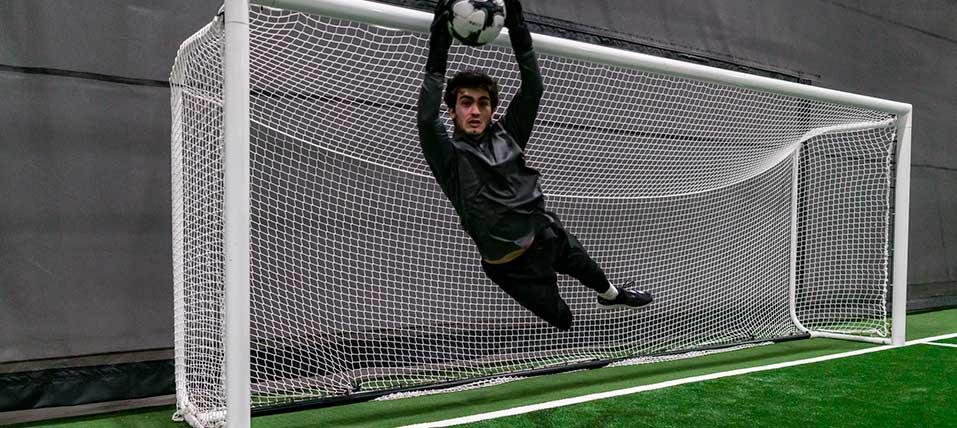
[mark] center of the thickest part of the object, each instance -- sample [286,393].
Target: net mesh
[363,280]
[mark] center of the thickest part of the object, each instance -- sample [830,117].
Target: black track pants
[532,281]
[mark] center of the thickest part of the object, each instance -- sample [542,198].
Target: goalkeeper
[481,168]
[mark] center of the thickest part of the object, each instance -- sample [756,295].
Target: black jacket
[497,197]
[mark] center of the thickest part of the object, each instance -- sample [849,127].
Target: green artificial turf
[906,387]
[153,417]
[952,341]
[930,324]
[565,385]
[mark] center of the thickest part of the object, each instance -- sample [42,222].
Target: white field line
[949,345]
[660,385]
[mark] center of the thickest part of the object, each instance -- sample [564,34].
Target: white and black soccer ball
[476,22]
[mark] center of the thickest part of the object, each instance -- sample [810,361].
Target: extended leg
[573,260]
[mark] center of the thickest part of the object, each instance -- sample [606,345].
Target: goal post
[901,224]
[316,261]
[236,212]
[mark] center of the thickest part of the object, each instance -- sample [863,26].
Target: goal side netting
[751,216]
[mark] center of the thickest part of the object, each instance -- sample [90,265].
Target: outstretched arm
[522,110]
[433,136]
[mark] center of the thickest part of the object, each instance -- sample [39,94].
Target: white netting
[484,383]
[363,281]
[637,361]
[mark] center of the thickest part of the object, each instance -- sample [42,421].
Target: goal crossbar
[413,20]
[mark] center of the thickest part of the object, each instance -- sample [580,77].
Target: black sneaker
[626,298]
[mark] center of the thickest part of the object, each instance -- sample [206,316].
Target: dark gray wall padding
[85,176]
[84,223]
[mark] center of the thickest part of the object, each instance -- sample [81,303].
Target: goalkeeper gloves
[517,31]
[439,41]
[513,14]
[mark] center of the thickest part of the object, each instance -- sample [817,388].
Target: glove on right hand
[440,40]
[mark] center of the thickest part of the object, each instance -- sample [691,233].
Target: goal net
[750,215]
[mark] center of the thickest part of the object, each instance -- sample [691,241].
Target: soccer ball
[476,22]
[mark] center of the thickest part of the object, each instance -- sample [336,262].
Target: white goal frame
[237,158]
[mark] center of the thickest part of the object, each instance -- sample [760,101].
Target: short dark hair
[471,79]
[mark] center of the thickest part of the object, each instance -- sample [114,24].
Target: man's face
[473,110]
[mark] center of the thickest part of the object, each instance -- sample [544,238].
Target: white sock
[609,294]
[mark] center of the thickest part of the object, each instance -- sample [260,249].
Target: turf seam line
[642,388]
